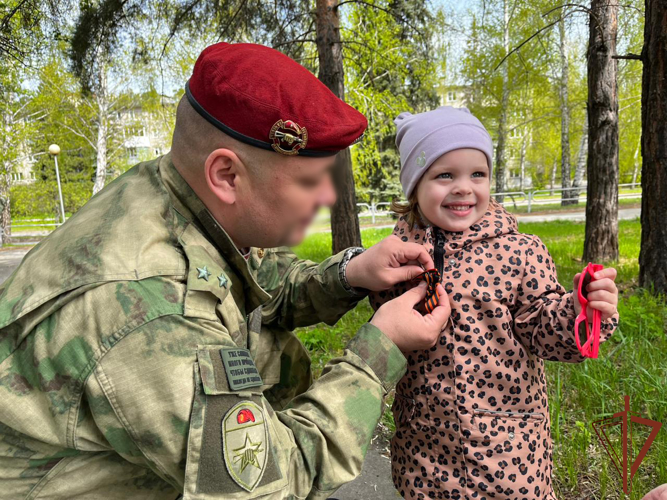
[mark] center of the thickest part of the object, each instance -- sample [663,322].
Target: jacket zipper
[439,252]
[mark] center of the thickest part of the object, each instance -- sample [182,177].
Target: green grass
[633,362]
[26,225]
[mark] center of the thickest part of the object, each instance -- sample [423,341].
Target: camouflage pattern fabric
[112,381]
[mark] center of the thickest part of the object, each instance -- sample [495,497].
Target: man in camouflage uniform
[146,348]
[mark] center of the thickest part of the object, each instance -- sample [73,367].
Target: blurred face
[281,199]
[454,192]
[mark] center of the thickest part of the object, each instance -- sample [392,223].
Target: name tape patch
[240,368]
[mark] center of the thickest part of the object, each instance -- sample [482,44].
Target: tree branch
[298,39]
[80,134]
[384,9]
[518,47]
[634,57]
[363,2]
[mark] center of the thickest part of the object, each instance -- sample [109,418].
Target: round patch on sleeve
[245,444]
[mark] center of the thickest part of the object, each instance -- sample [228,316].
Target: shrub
[41,197]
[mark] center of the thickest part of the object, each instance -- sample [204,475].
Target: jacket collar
[190,206]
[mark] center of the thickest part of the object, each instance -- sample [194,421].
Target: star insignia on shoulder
[222,279]
[203,273]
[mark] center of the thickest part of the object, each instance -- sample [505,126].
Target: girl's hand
[602,294]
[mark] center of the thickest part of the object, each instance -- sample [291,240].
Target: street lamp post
[54,150]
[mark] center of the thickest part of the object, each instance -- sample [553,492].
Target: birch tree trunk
[102,100]
[500,165]
[564,116]
[5,182]
[580,169]
[652,255]
[522,161]
[344,221]
[601,242]
[553,175]
[5,209]
[635,170]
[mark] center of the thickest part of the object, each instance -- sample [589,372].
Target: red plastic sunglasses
[589,345]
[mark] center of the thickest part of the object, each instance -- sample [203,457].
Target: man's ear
[221,171]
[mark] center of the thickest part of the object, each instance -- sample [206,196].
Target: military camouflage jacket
[141,356]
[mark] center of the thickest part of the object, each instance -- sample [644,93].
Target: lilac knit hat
[423,138]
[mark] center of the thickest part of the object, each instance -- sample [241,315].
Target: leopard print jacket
[471,413]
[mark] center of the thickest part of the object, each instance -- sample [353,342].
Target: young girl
[471,413]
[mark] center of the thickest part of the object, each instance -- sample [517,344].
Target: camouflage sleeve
[163,398]
[303,292]
[544,312]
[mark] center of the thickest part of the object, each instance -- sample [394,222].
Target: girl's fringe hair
[410,210]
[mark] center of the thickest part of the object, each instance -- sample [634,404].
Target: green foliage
[392,65]
[21,30]
[534,72]
[38,198]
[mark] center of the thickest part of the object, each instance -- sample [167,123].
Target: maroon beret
[262,97]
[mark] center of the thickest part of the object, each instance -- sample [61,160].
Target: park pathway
[10,258]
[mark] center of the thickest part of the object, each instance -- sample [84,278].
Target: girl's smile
[460,209]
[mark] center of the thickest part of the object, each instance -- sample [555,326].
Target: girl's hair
[409,209]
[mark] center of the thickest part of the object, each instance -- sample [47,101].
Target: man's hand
[386,263]
[659,493]
[405,326]
[602,294]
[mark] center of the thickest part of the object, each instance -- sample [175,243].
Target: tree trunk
[522,161]
[635,170]
[504,105]
[564,117]
[344,221]
[5,183]
[601,242]
[581,164]
[553,175]
[5,211]
[652,256]
[102,99]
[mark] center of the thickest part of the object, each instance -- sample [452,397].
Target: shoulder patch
[246,441]
[240,369]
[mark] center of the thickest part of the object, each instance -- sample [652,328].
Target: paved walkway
[623,214]
[374,482]
[9,260]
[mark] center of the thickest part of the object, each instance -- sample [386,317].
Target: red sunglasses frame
[591,346]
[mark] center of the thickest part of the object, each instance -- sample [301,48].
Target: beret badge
[287,137]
